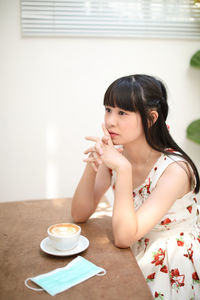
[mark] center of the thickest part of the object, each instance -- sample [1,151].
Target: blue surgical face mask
[59,280]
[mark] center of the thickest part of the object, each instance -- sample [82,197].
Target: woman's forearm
[124,220]
[83,203]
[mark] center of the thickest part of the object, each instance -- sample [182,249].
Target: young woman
[155,185]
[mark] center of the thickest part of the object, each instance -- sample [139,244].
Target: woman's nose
[110,120]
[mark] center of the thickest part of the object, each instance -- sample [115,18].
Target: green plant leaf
[193,131]
[195,60]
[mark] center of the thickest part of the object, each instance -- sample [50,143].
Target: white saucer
[47,247]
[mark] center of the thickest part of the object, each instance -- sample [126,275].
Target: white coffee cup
[64,236]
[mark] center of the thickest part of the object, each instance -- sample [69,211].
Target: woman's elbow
[124,240]
[78,218]
[122,243]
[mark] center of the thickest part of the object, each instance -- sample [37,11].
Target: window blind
[111,18]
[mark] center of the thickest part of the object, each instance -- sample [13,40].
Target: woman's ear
[153,116]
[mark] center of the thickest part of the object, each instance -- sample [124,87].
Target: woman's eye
[121,113]
[108,109]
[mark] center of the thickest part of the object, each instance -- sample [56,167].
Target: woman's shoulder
[171,163]
[176,162]
[176,166]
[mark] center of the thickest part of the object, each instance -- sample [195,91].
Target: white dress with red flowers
[169,255]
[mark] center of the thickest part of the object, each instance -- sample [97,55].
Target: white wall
[51,92]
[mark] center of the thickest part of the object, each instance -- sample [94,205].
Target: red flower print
[146,242]
[198,238]
[113,187]
[140,191]
[180,243]
[195,278]
[165,221]
[176,279]
[110,171]
[175,272]
[150,277]
[158,295]
[145,189]
[155,169]
[189,254]
[164,269]
[148,187]
[195,199]
[189,208]
[158,257]
[134,194]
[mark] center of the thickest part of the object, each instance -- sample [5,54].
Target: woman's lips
[113,134]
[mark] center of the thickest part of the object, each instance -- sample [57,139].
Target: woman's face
[124,126]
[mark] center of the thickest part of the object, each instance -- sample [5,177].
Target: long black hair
[143,93]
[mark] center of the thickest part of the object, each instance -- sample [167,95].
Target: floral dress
[169,255]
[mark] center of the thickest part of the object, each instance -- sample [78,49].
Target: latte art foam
[64,230]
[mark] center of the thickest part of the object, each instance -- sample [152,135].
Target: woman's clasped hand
[103,151]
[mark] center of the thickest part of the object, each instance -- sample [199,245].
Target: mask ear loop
[101,273]
[30,287]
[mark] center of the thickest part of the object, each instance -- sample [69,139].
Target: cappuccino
[63,229]
[64,236]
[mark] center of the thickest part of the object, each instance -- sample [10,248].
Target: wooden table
[22,227]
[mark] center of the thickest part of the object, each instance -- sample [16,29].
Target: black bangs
[120,93]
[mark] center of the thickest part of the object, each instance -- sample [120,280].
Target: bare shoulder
[179,168]
[178,176]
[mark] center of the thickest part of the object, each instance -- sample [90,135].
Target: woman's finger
[89,159]
[92,138]
[91,149]
[93,157]
[97,158]
[98,148]
[105,139]
[107,134]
